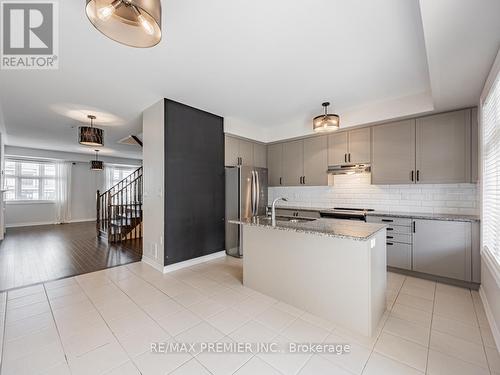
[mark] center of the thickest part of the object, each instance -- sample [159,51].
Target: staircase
[119,210]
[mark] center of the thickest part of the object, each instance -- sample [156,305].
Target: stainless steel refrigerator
[246,196]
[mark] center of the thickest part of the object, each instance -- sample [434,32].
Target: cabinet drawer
[397,237]
[399,255]
[403,221]
[398,229]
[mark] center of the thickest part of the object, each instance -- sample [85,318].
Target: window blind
[490,120]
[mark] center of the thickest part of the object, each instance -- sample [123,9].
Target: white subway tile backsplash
[356,191]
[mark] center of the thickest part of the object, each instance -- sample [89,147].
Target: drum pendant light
[327,122]
[96,165]
[135,23]
[90,136]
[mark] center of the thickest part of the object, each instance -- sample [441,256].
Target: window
[490,120]
[28,180]
[114,174]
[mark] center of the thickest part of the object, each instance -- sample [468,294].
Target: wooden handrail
[119,209]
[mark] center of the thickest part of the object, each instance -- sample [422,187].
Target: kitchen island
[335,269]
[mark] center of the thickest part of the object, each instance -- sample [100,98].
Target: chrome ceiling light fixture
[90,136]
[135,23]
[96,165]
[327,122]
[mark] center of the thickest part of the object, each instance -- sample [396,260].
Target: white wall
[154,163]
[356,191]
[84,185]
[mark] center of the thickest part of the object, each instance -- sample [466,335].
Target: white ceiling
[265,66]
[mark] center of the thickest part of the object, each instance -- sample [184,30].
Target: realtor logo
[29,35]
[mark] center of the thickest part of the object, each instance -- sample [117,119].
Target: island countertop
[348,229]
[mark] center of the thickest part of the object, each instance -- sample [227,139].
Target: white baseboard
[192,262]
[152,263]
[491,319]
[33,224]
[82,220]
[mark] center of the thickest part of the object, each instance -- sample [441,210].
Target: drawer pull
[390,243]
[390,228]
[388,220]
[390,237]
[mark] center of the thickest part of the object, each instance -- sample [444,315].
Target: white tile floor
[104,322]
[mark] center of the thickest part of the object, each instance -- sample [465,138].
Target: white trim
[37,223]
[16,202]
[495,69]
[192,262]
[152,263]
[492,264]
[491,319]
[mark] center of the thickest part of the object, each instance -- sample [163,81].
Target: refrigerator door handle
[254,188]
[257,203]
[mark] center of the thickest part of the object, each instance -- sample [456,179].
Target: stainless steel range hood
[349,169]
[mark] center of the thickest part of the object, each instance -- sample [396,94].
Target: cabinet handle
[418,175]
[304,180]
[345,158]
[280,180]
[412,176]
[390,228]
[349,157]
[387,220]
[414,227]
[389,243]
[389,237]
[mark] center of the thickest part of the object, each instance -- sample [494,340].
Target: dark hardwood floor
[31,255]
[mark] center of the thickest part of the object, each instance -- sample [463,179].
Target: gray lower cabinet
[275,164]
[315,162]
[393,153]
[443,148]
[398,240]
[443,248]
[293,163]
[399,255]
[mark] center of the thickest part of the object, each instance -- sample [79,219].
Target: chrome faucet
[273,210]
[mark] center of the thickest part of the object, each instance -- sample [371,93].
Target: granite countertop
[359,231]
[427,216]
[412,215]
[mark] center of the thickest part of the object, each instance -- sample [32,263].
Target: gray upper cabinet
[293,163]
[232,151]
[260,155]
[315,161]
[393,153]
[338,148]
[275,164]
[246,153]
[443,148]
[359,146]
[352,147]
[443,248]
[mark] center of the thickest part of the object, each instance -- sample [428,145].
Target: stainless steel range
[346,213]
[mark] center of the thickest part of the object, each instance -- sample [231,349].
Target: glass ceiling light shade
[96,165]
[135,23]
[90,136]
[327,122]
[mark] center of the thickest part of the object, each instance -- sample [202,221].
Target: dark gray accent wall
[194,183]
